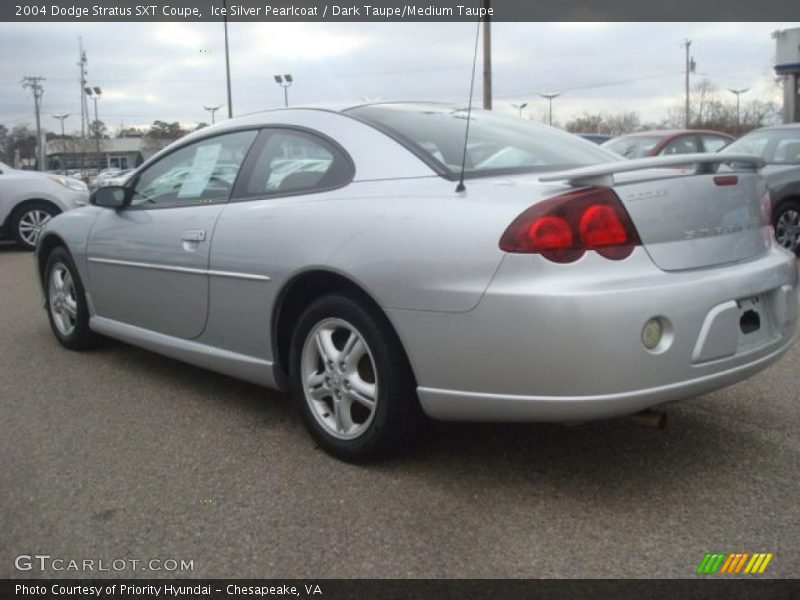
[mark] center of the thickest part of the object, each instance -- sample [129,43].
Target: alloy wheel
[62,299]
[339,378]
[787,229]
[31,224]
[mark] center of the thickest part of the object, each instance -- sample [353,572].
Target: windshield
[497,143]
[633,146]
[775,146]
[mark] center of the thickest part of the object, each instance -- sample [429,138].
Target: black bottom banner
[400,589]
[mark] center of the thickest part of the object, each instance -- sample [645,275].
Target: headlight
[73,184]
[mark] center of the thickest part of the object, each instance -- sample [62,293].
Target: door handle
[195,235]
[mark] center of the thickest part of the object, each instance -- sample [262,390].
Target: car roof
[673,132]
[783,126]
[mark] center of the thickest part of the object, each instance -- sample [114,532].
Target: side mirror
[112,196]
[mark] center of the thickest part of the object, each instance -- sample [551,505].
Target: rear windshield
[775,146]
[497,143]
[633,146]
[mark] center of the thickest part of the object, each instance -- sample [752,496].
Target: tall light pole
[61,117]
[550,96]
[738,93]
[519,107]
[284,81]
[690,68]
[94,93]
[227,58]
[35,84]
[212,110]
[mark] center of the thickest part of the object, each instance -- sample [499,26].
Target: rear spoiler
[603,174]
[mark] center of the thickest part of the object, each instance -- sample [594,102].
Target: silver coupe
[333,252]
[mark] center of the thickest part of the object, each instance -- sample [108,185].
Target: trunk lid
[694,218]
[691,222]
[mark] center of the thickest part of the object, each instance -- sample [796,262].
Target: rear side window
[685,144]
[497,143]
[714,143]
[633,146]
[287,162]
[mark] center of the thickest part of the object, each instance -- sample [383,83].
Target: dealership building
[787,64]
[121,153]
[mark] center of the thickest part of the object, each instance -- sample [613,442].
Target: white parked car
[120,178]
[29,199]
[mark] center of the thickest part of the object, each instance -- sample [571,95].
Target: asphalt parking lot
[120,453]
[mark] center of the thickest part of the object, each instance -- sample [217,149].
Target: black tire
[25,215]
[396,416]
[79,337]
[788,237]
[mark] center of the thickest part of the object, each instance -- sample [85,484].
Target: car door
[260,233]
[148,262]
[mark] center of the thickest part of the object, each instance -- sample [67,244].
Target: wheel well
[793,198]
[21,206]
[46,246]
[294,298]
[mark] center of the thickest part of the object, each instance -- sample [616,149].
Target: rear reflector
[726,180]
[565,227]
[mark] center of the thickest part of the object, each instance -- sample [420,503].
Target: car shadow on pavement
[9,247]
[604,459]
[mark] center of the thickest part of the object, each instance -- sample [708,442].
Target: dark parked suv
[780,148]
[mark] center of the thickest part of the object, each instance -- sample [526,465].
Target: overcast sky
[169,71]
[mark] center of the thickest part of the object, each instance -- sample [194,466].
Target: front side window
[294,162]
[200,173]
[497,143]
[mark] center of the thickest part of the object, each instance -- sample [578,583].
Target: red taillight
[550,233]
[564,227]
[766,209]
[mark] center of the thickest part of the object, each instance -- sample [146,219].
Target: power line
[591,86]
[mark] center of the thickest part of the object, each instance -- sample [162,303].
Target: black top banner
[397,10]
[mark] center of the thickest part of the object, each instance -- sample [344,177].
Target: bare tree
[612,124]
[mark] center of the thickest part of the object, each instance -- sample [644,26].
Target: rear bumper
[549,343]
[452,405]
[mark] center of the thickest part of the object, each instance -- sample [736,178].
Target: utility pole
[94,93]
[487,57]
[227,58]
[35,84]
[61,117]
[738,93]
[212,110]
[82,62]
[690,67]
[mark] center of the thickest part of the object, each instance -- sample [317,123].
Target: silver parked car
[29,199]
[342,261]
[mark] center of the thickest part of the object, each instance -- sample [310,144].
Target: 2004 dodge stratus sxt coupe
[331,252]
